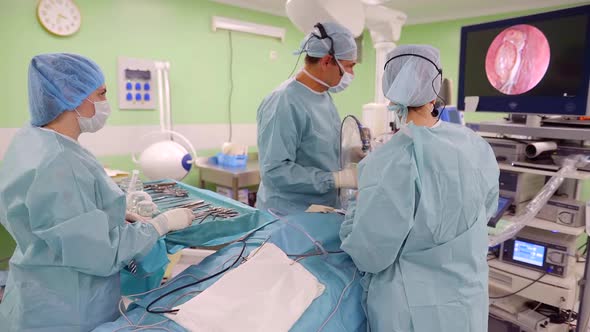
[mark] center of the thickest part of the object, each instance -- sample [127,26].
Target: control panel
[137,80]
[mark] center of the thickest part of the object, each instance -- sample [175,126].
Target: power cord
[555,315]
[148,308]
[581,257]
[520,290]
[231,84]
[299,57]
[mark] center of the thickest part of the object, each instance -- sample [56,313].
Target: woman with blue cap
[418,229]
[299,127]
[65,214]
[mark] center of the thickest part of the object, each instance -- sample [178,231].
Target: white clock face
[60,17]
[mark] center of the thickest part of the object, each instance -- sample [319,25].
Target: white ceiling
[424,11]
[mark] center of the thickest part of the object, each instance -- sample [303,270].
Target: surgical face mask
[102,110]
[344,81]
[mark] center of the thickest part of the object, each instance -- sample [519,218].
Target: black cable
[316,253]
[192,284]
[359,126]
[520,290]
[435,112]
[296,63]
[302,51]
[555,315]
[231,83]
[299,57]
[515,140]
[580,257]
[438,113]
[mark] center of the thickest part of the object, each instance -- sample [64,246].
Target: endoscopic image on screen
[517,59]
[542,58]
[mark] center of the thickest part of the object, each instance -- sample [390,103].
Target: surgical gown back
[67,218]
[298,143]
[419,230]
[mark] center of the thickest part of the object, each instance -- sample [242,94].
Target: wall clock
[59,17]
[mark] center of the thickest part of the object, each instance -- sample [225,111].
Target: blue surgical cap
[412,81]
[60,82]
[344,43]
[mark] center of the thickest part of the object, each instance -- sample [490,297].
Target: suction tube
[570,164]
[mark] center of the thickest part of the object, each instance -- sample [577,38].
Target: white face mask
[345,80]
[102,110]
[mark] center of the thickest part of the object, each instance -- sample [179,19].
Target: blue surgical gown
[298,143]
[418,230]
[67,218]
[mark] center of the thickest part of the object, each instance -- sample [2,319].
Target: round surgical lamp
[166,159]
[306,13]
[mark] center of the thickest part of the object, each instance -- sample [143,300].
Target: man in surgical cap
[299,127]
[65,214]
[418,228]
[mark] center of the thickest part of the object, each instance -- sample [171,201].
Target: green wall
[178,31]
[175,30]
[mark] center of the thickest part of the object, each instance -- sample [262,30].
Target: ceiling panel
[423,11]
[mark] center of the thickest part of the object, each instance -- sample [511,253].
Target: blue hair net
[60,82]
[412,81]
[344,43]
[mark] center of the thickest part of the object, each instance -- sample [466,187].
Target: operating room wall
[447,37]
[178,31]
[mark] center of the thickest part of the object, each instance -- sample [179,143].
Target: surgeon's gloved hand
[315,208]
[346,178]
[172,220]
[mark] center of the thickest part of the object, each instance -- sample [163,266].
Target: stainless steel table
[234,178]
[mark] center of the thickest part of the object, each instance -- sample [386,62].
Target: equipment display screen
[529,253]
[503,205]
[542,58]
[534,64]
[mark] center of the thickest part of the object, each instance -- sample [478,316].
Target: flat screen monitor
[530,253]
[538,64]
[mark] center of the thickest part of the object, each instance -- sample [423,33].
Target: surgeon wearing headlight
[299,127]
[418,228]
[65,214]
